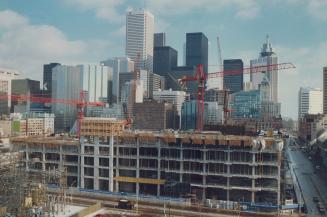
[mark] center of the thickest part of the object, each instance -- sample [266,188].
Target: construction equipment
[80,103]
[201,78]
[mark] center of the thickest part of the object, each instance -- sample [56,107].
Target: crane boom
[254,69]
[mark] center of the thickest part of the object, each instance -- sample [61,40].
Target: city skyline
[58,40]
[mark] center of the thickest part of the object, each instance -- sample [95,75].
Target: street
[310,183]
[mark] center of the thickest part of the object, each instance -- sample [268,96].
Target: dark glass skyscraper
[165,59]
[233,75]
[159,39]
[197,50]
[26,87]
[47,78]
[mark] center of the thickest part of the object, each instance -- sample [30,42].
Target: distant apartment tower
[26,87]
[310,101]
[159,39]
[6,77]
[118,65]
[233,75]
[197,50]
[47,78]
[266,58]
[139,38]
[164,60]
[325,90]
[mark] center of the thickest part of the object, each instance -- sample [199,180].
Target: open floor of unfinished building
[206,167]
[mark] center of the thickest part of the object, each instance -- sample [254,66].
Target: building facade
[197,50]
[246,104]
[139,38]
[118,65]
[68,81]
[266,58]
[97,80]
[177,98]
[164,60]
[325,90]
[213,167]
[153,115]
[6,77]
[233,75]
[25,87]
[310,101]
[158,82]
[159,39]
[47,78]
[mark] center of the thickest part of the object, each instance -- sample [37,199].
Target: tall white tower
[266,58]
[139,38]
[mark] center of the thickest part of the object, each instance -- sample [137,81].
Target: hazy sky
[35,32]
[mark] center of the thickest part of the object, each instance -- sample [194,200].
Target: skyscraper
[197,50]
[6,77]
[325,89]
[26,87]
[68,81]
[118,65]
[139,38]
[310,101]
[233,75]
[266,58]
[165,59]
[47,78]
[159,39]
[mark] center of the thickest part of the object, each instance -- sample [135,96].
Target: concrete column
[278,179]
[61,160]
[111,164]
[181,164]
[204,176]
[43,158]
[117,167]
[27,157]
[96,173]
[228,172]
[79,171]
[159,166]
[253,179]
[137,166]
[82,167]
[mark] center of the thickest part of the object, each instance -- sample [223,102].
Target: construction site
[214,170]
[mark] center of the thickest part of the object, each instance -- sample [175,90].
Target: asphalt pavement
[311,183]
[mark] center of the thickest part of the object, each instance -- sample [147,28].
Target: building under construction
[203,166]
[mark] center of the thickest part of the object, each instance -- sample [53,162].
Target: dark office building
[159,39]
[47,78]
[233,75]
[164,59]
[177,73]
[26,87]
[197,50]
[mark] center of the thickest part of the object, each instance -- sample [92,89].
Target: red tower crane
[201,78]
[79,103]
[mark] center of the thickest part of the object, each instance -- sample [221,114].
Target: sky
[36,32]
